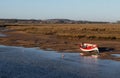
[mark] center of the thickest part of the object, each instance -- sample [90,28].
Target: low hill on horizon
[48,21]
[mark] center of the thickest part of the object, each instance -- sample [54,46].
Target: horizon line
[58,19]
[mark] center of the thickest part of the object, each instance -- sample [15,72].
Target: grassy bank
[64,37]
[74,31]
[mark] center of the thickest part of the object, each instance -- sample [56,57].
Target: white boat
[87,47]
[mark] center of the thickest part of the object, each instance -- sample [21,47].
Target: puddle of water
[35,63]
[116,55]
[2,35]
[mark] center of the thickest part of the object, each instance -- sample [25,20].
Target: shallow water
[116,55]
[2,35]
[19,62]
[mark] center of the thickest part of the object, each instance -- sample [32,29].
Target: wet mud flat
[19,62]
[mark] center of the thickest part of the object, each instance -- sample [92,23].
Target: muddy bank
[53,42]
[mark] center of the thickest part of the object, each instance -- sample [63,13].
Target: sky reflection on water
[2,35]
[19,62]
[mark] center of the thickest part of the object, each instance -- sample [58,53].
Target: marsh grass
[72,31]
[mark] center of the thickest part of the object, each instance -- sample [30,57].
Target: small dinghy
[87,47]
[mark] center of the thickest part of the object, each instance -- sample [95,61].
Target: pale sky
[93,10]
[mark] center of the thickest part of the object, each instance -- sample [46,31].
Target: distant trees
[118,22]
[49,21]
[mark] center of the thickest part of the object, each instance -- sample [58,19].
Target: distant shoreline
[51,21]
